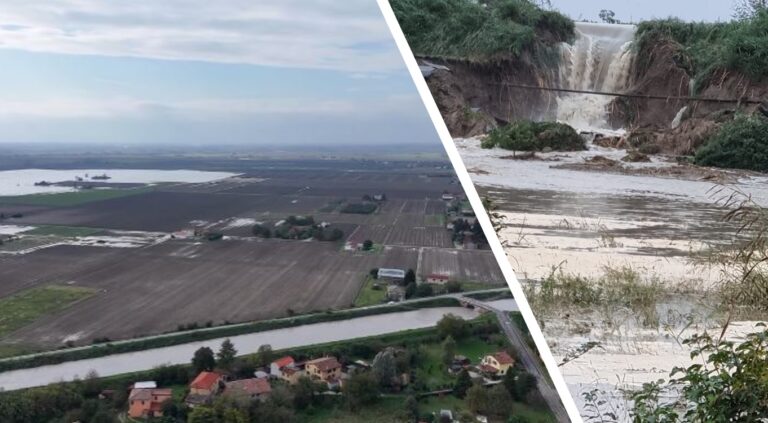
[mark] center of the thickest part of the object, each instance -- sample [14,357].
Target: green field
[62,231]
[67,199]
[25,307]
[369,296]
[434,220]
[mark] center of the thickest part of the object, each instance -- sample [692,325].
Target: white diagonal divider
[482,216]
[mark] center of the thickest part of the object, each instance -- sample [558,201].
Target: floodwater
[279,339]
[22,182]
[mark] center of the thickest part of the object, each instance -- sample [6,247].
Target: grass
[449,402]
[739,144]
[75,198]
[62,231]
[431,370]
[25,307]
[383,411]
[468,30]
[369,296]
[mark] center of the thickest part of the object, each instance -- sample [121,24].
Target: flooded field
[582,222]
[22,182]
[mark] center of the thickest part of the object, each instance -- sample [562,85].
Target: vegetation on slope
[527,135]
[479,30]
[738,45]
[739,144]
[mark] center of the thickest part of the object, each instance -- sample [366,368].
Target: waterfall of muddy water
[599,60]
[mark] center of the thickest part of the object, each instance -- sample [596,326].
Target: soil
[473,97]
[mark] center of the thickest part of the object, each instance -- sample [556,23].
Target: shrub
[527,135]
[739,144]
[359,208]
[479,30]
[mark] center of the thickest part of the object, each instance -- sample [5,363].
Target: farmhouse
[438,279]
[277,367]
[391,274]
[246,390]
[203,388]
[500,362]
[292,375]
[145,402]
[327,369]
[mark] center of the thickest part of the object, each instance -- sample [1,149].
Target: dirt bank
[472,96]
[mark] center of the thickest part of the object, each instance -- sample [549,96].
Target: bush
[479,30]
[261,231]
[359,208]
[739,144]
[527,135]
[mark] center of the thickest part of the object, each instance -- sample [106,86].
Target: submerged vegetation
[527,135]
[739,144]
[738,45]
[479,30]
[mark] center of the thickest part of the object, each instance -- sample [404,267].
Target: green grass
[62,231]
[431,370]
[449,402]
[76,198]
[369,296]
[381,412]
[23,308]
[739,144]
[526,135]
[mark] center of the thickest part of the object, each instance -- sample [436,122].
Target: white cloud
[207,109]
[323,34]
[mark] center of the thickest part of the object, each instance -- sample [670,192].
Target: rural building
[203,388]
[438,279]
[500,361]
[276,367]
[447,196]
[326,369]
[355,240]
[391,274]
[247,390]
[292,375]
[147,402]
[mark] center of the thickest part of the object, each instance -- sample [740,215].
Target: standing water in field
[599,60]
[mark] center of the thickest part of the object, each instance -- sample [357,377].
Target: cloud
[319,34]
[207,109]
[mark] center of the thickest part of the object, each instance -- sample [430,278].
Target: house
[276,367]
[391,274]
[438,279]
[500,361]
[147,402]
[292,375]
[247,390]
[447,196]
[325,368]
[203,388]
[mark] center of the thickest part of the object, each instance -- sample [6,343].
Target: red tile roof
[283,361]
[436,276]
[488,369]
[248,386]
[205,380]
[503,358]
[324,364]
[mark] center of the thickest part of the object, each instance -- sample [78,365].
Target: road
[528,358]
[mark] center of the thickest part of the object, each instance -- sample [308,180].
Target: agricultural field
[148,260]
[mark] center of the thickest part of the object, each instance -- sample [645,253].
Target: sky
[636,10]
[204,72]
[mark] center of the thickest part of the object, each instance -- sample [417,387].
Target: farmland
[140,254]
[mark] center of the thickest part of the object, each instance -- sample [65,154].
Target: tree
[411,407]
[304,393]
[424,290]
[499,401]
[410,277]
[453,287]
[361,389]
[265,355]
[203,360]
[385,368]
[519,384]
[226,355]
[477,398]
[747,9]
[462,385]
[374,273]
[449,350]
[367,245]
[608,16]
[452,325]
[202,415]
[410,290]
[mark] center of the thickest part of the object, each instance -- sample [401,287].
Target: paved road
[529,359]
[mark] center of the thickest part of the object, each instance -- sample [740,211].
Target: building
[147,402]
[247,390]
[292,375]
[276,367]
[203,388]
[438,279]
[326,369]
[447,196]
[500,361]
[391,274]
